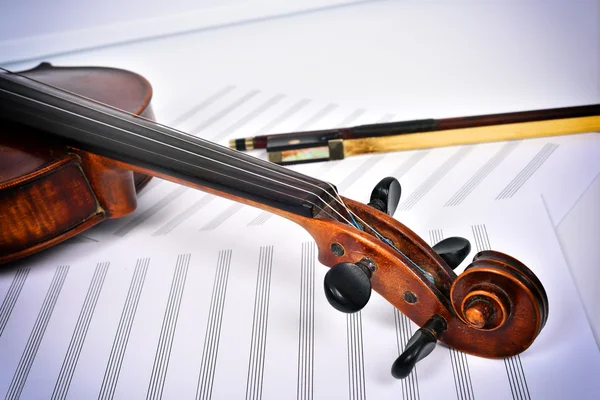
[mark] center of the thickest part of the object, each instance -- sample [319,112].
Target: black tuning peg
[420,345]
[348,285]
[386,195]
[453,250]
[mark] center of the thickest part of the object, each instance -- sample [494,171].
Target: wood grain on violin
[57,192]
[70,162]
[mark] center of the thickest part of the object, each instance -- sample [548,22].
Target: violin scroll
[494,309]
[498,292]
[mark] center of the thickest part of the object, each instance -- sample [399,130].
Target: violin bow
[495,308]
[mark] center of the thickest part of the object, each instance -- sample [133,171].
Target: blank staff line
[248,117]
[222,217]
[283,116]
[312,257]
[251,370]
[63,382]
[399,342]
[194,110]
[410,385]
[258,344]
[461,359]
[514,368]
[462,193]
[260,219]
[357,387]
[435,236]
[527,172]
[266,321]
[203,377]
[412,380]
[37,333]
[167,331]
[304,388]
[349,349]
[149,186]
[385,118]
[184,215]
[477,236]
[117,353]
[520,380]
[352,117]
[317,117]
[513,380]
[223,112]
[434,178]
[221,309]
[325,168]
[159,205]
[362,358]
[82,239]
[14,290]
[408,164]
[360,354]
[213,327]
[359,172]
[300,384]
[458,360]
[510,381]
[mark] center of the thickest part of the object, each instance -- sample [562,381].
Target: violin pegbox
[348,285]
[494,309]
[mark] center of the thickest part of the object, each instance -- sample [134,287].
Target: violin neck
[129,139]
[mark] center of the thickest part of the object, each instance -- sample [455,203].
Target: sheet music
[559,168]
[240,313]
[193,296]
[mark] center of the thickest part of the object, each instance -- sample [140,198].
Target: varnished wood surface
[483,134]
[109,132]
[45,207]
[395,275]
[50,192]
[494,310]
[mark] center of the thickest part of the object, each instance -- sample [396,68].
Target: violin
[77,144]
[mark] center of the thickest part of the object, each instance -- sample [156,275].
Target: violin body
[50,192]
[77,144]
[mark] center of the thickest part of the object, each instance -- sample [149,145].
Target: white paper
[164,302]
[217,314]
[559,168]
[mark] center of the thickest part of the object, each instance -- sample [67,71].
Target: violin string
[192,153]
[257,162]
[218,151]
[386,240]
[337,198]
